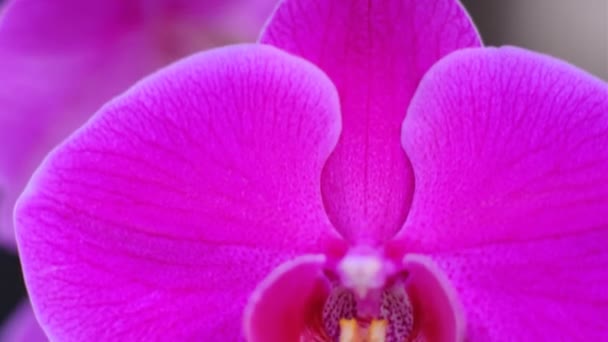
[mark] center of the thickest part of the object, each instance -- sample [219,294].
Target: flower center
[351,332]
[367,302]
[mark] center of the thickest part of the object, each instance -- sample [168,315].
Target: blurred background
[574,30]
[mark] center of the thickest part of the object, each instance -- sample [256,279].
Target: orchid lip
[318,297]
[367,300]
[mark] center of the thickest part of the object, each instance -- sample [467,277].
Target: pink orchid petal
[375,52]
[62,59]
[22,326]
[438,314]
[283,306]
[158,218]
[510,153]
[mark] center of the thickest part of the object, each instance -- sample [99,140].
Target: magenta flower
[248,182]
[62,59]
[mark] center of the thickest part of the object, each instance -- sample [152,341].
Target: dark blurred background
[574,30]
[11,285]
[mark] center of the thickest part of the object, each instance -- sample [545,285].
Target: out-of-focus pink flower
[22,326]
[250,181]
[60,60]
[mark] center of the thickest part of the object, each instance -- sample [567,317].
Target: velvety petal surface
[287,305]
[157,219]
[510,153]
[375,52]
[22,326]
[61,60]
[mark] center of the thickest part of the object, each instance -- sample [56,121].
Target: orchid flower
[368,173]
[62,59]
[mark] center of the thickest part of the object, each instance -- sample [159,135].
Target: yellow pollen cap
[350,331]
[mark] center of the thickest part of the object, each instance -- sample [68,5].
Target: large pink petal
[159,217]
[62,59]
[510,153]
[375,52]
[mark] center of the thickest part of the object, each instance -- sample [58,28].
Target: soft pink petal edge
[439,316]
[105,46]
[280,309]
[56,68]
[129,228]
[22,326]
[510,152]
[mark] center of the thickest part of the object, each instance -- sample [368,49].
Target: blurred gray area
[573,30]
